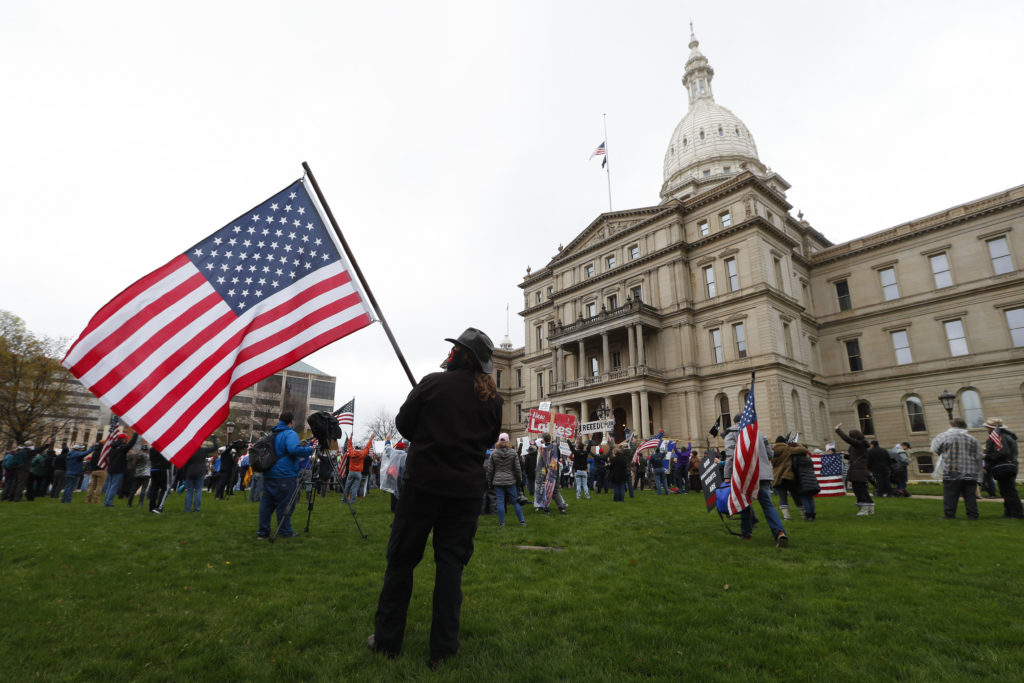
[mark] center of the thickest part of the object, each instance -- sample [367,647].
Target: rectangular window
[940,271]
[739,333]
[519,413]
[270,385]
[787,339]
[956,338]
[999,250]
[594,370]
[853,355]
[296,386]
[726,169]
[704,228]
[778,273]
[843,295]
[901,345]
[321,389]
[707,172]
[591,309]
[725,218]
[1015,321]
[732,274]
[709,281]
[540,336]
[588,270]
[634,252]
[637,293]
[497,379]
[540,384]
[716,346]
[890,289]
[613,302]
[610,261]
[616,360]
[538,297]
[519,378]
[551,292]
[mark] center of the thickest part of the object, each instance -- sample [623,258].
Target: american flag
[598,152]
[653,442]
[828,468]
[267,289]
[996,438]
[745,468]
[346,414]
[115,429]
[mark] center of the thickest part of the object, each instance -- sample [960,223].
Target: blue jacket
[75,461]
[289,453]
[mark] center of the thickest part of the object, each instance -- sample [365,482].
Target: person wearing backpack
[280,480]
[898,464]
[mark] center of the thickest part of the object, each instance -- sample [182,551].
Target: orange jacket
[357,457]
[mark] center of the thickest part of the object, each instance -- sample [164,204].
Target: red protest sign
[565,426]
[539,421]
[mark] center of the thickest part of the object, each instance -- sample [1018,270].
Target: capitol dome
[711,143]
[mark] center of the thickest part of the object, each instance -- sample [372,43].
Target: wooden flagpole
[359,273]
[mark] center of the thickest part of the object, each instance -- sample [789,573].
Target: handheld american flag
[115,429]
[828,468]
[260,293]
[745,462]
[346,414]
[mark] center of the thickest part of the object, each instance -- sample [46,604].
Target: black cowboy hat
[478,344]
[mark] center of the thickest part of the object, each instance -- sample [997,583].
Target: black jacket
[117,459]
[450,430]
[878,459]
[195,468]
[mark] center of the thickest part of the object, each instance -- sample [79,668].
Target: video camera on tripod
[325,430]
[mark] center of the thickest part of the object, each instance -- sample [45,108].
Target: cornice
[1002,201]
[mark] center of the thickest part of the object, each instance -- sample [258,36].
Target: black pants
[882,487]
[952,489]
[602,481]
[157,489]
[1011,499]
[454,523]
[860,489]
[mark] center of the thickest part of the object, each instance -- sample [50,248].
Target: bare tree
[34,387]
[381,425]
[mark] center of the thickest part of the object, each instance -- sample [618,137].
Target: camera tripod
[315,482]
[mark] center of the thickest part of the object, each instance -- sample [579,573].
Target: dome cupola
[710,144]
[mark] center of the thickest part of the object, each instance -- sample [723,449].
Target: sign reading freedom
[590,427]
[540,423]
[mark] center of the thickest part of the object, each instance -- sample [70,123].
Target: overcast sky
[452,138]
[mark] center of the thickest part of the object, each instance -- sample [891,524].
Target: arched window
[684,142]
[720,133]
[915,414]
[971,404]
[743,398]
[864,416]
[723,410]
[701,133]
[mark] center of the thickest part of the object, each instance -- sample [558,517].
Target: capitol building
[659,314]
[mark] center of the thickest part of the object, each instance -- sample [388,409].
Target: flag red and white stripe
[169,352]
[996,438]
[745,465]
[828,468]
[346,414]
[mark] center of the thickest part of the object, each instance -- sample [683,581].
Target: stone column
[640,350]
[632,347]
[584,412]
[556,374]
[583,360]
[607,356]
[634,399]
[644,412]
[561,363]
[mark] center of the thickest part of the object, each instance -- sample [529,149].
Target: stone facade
[662,313]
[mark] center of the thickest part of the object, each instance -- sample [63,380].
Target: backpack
[12,460]
[261,454]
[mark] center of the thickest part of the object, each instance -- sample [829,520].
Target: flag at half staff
[267,289]
[745,466]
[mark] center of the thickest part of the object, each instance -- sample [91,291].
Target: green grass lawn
[650,589]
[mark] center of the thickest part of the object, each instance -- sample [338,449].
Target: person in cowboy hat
[1001,463]
[451,418]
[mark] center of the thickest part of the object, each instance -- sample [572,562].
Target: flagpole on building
[607,164]
[359,273]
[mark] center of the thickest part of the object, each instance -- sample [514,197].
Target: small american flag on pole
[267,289]
[996,438]
[828,468]
[115,429]
[745,466]
[346,414]
[598,152]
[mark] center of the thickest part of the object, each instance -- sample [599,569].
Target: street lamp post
[230,426]
[947,399]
